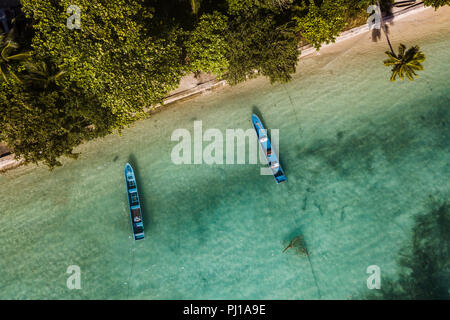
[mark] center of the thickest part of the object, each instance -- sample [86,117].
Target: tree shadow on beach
[145,202]
[387,7]
[386,11]
[424,262]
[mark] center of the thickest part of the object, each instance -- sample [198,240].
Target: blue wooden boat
[134,204]
[266,147]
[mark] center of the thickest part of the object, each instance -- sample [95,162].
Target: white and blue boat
[137,223]
[267,149]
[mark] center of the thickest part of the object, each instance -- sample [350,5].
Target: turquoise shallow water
[362,156]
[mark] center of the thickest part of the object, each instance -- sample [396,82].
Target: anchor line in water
[292,107]
[310,265]
[314,276]
[131,271]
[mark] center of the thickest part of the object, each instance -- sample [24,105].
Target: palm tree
[7,46]
[405,63]
[43,74]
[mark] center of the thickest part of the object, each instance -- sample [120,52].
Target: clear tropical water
[362,155]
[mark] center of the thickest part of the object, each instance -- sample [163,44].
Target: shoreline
[210,84]
[306,50]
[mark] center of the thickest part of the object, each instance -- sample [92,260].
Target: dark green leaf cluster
[436,3]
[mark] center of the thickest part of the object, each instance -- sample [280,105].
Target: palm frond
[12,74]
[20,56]
[3,73]
[60,74]
[405,63]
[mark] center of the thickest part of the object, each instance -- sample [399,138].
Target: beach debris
[298,243]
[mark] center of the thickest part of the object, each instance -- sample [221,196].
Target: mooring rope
[292,107]
[131,270]
[293,216]
[295,222]
[314,275]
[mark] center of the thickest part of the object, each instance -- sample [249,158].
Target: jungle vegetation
[61,86]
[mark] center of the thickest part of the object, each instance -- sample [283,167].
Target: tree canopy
[436,3]
[61,86]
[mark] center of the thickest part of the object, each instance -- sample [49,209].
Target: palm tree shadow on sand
[145,202]
[386,11]
[387,7]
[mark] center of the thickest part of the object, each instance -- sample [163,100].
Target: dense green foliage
[260,44]
[129,54]
[9,56]
[47,124]
[436,3]
[322,23]
[206,47]
[114,56]
[113,68]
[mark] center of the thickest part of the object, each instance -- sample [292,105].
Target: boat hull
[134,204]
[267,149]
